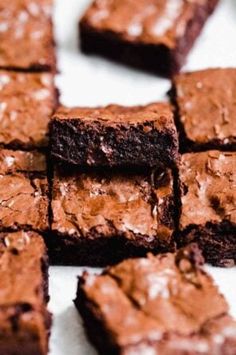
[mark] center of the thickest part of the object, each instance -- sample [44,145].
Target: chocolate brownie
[164,304]
[208,215]
[206,109]
[24,319]
[26,35]
[23,191]
[99,218]
[154,35]
[115,136]
[27,102]
[21,161]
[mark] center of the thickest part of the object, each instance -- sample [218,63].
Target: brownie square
[24,319]
[208,198]
[115,136]
[206,105]
[156,305]
[27,102]
[26,35]
[23,191]
[153,35]
[101,217]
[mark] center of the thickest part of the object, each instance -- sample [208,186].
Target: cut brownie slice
[154,35]
[23,191]
[208,216]
[115,136]
[156,305]
[24,319]
[99,218]
[26,35]
[27,102]
[206,105]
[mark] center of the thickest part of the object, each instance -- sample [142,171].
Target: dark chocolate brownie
[115,136]
[23,191]
[24,319]
[27,102]
[154,35]
[26,35]
[208,216]
[99,218]
[206,109]
[164,304]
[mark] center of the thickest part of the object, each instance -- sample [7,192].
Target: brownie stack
[113,187]
[27,100]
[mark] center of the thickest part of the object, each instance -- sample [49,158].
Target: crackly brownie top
[207,104]
[163,298]
[26,104]
[208,188]
[149,21]
[23,202]
[113,205]
[160,114]
[24,23]
[21,161]
[21,278]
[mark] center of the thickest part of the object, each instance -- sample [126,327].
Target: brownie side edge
[216,240]
[95,328]
[94,145]
[100,251]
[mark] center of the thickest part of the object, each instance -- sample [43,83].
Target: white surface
[95,81]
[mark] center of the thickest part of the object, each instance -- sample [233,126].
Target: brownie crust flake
[115,136]
[159,305]
[153,35]
[208,216]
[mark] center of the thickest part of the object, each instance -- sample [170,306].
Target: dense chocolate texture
[26,35]
[24,319]
[23,191]
[27,102]
[101,218]
[156,305]
[206,109]
[20,161]
[154,35]
[208,216]
[115,136]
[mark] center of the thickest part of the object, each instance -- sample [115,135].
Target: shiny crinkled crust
[95,205]
[146,21]
[27,103]
[163,304]
[26,22]
[23,202]
[161,113]
[206,108]
[208,182]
